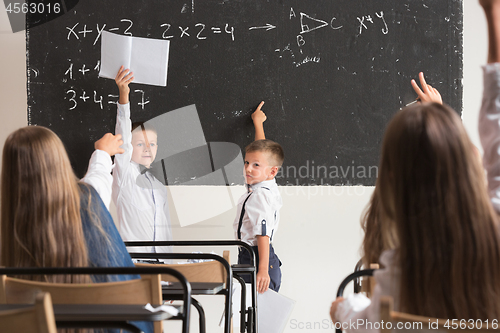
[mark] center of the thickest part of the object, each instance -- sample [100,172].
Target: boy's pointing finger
[260,106]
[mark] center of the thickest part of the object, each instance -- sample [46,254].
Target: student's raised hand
[334,306]
[122,79]
[263,280]
[110,144]
[258,116]
[427,93]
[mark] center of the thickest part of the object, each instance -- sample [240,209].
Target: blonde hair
[40,205]
[269,146]
[436,211]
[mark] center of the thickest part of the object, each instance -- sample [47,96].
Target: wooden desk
[250,325]
[174,292]
[98,315]
[197,288]
[186,297]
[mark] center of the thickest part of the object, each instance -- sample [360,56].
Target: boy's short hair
[140,125]
[270,146]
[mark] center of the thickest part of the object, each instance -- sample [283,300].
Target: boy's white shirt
[265,201]
[139,208]
[99,175]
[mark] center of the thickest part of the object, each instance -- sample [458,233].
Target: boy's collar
[136,165]
[265,183]
[139,167]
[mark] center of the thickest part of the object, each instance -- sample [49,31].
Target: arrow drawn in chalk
[267,27]
[308,23]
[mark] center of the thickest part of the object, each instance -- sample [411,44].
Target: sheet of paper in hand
[147,58]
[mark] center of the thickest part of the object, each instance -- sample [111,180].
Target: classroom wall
[319,237]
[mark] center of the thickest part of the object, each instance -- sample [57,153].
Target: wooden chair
[364,284]
[418,323]
[139,291]
[357,274]
[232,270]
[368,282]
[36,319]
[208,271]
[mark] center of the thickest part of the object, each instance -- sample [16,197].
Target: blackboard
[332,73]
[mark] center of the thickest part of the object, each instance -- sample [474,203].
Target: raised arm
[123,124]
[492,12]
[99,172]
[122,79]
[427,93]
[259,117]
[489,126]
[110,144]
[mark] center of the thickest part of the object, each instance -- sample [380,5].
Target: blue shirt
[105,251]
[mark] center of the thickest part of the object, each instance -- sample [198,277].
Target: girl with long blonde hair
[48,217]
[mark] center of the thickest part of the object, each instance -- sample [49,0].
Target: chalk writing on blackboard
[267,27]
[332,72]
[369,19]
[308,23]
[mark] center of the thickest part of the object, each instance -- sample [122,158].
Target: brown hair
[40,205]
[434,198]
[275,149]
[372,245]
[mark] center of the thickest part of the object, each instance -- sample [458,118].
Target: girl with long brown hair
[436,217]
[48,217]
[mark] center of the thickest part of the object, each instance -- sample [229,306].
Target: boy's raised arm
[122,79]
[259,117]
[123,124]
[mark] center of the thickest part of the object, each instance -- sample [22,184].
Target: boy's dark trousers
[274,266]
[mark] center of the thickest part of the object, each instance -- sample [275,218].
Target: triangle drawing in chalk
[308,23]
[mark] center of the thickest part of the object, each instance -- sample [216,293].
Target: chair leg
[201,313]
[255,320]
[243,306]
[251,315]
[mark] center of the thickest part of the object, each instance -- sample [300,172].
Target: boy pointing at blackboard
[143,213]
[257,215]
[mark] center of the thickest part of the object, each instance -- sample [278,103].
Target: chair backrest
[35,319]
[368,282]
[208,271]
[138,291]
[408,321]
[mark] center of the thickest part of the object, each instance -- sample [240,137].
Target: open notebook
[146,57]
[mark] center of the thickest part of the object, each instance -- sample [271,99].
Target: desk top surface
[98,312]
[197,288]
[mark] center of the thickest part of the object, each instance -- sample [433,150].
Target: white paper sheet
[274,309]
[165,308]
[147,58]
